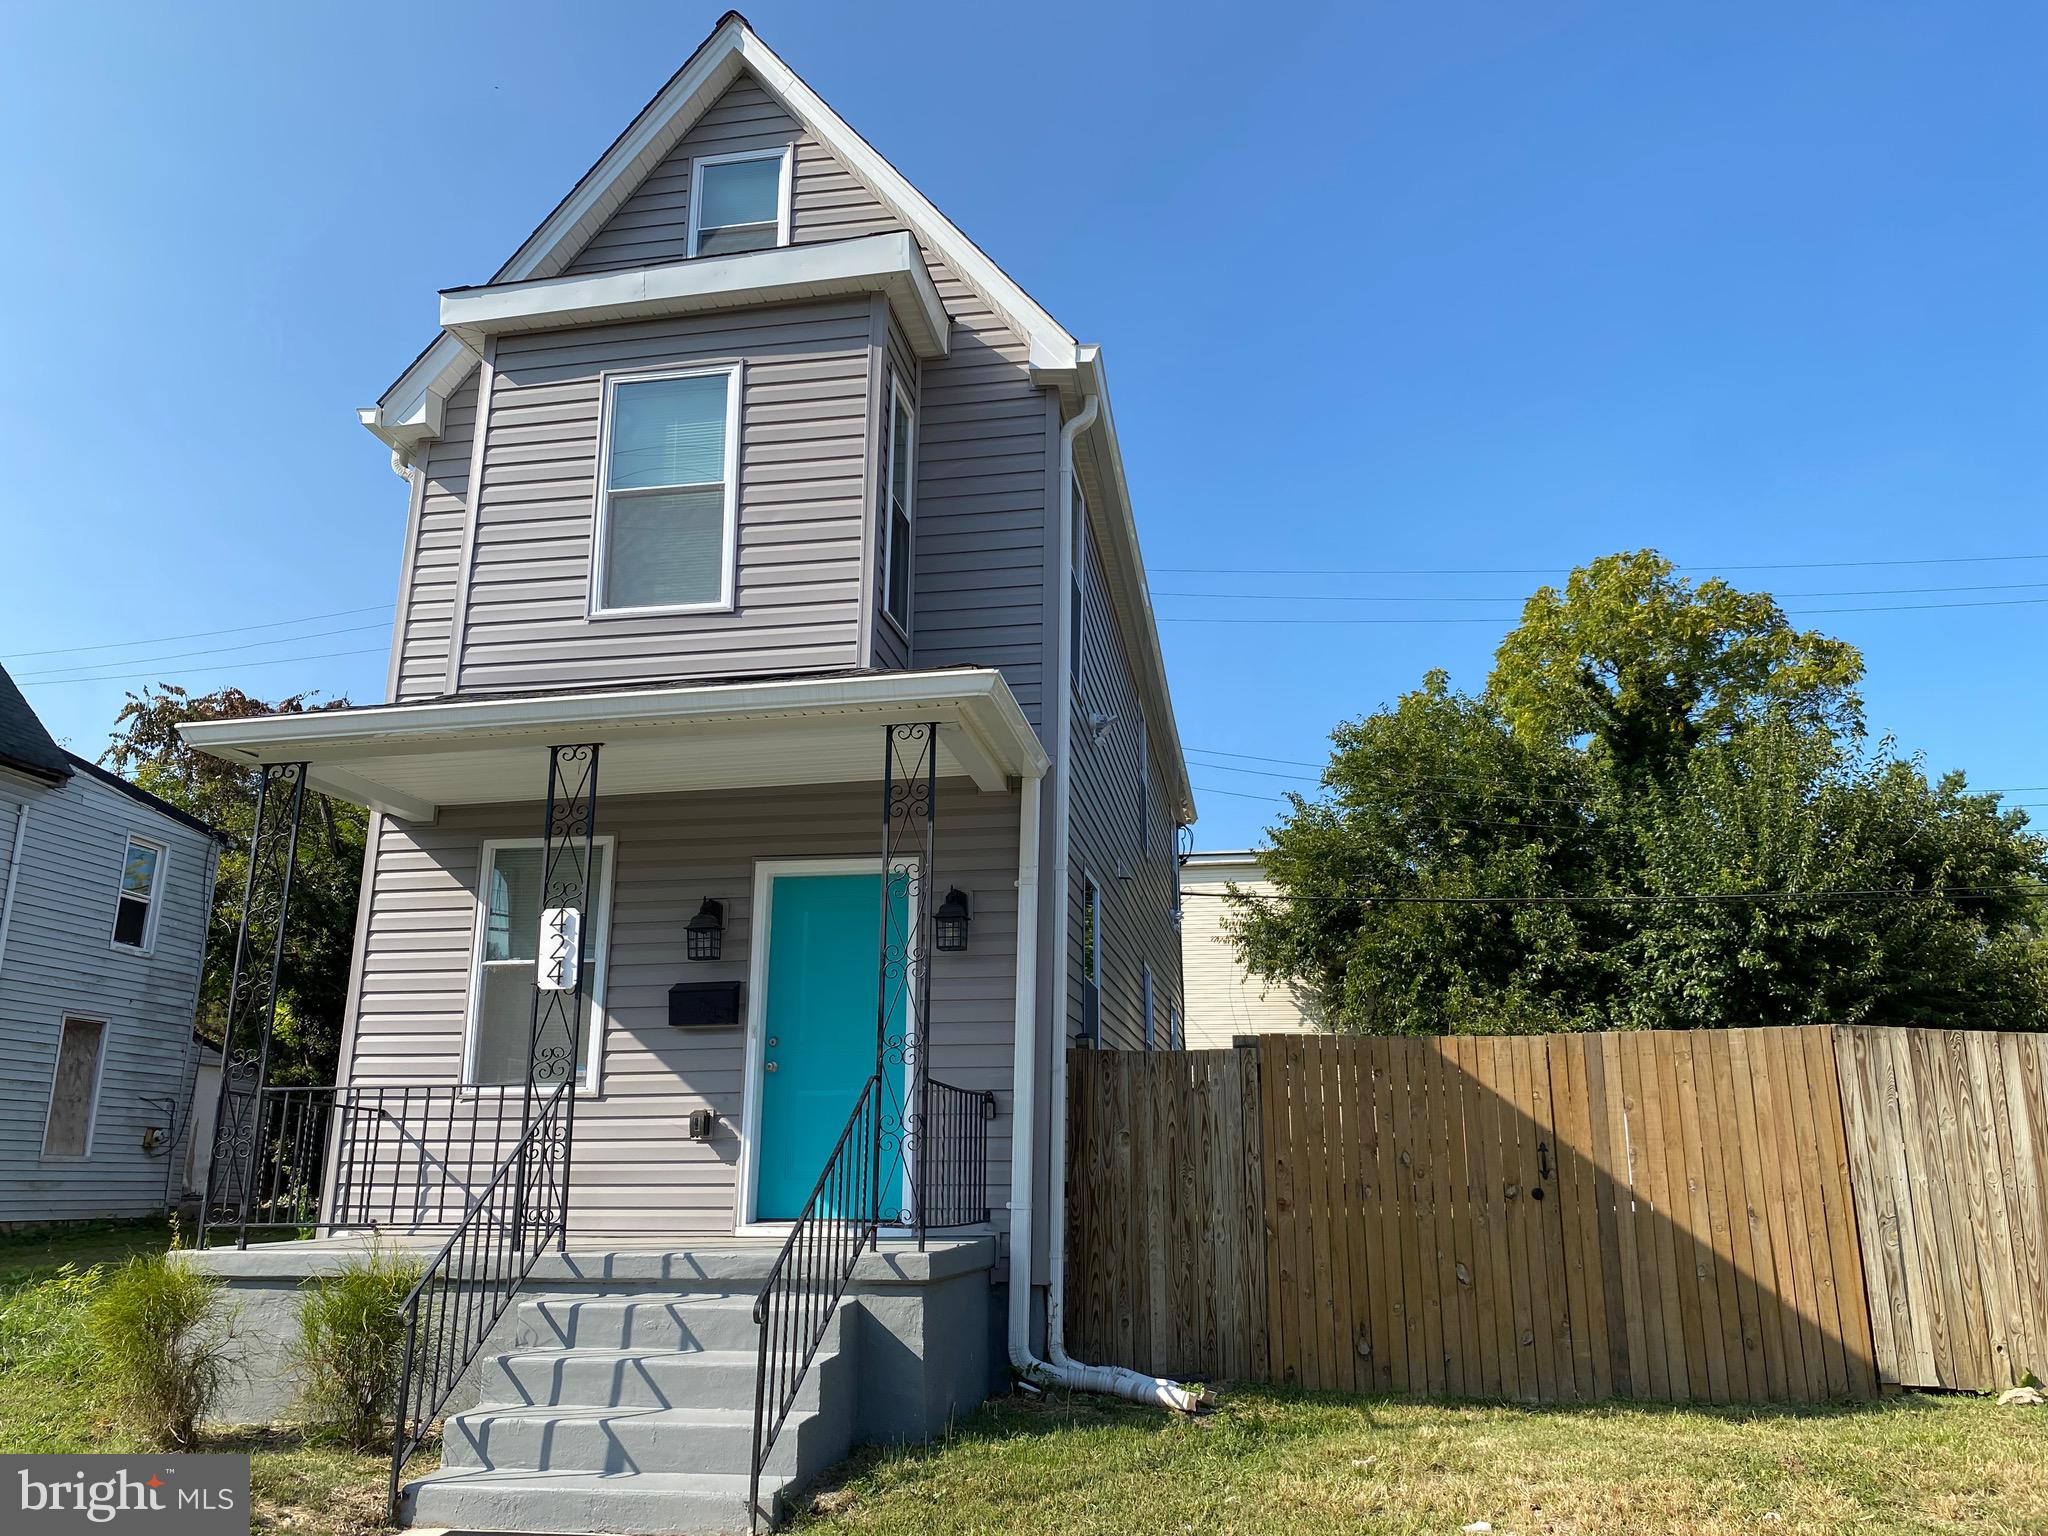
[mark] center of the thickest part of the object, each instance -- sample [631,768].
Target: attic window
[739,202]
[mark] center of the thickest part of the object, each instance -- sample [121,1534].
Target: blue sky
[1383,288]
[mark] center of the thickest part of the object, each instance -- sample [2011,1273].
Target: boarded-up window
[135,905]
[73,1091]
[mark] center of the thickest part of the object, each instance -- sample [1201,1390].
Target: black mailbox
[704,1004]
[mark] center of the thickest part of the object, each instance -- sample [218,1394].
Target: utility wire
[132,665]
[2005,602]
[213,671]
[201,634]
[1682,898]
[1509,597]
[1551,570]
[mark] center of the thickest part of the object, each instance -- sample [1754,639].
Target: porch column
[568,842]
[251,1013]
[910,759]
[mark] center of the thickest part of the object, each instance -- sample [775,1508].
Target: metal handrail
[948,1153]
[466,1288]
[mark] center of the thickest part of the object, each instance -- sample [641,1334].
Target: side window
[1078,585]
[667,500]
[1176,1037]
[739,202]
[75,1088]
[898,466]
[1151,1041]
[135,904]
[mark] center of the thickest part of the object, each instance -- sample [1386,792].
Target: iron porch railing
[469,1284]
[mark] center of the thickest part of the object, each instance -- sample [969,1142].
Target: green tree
[1603,840]
[320,933]
[1647,666]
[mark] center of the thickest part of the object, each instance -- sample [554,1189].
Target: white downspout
[1058,1369]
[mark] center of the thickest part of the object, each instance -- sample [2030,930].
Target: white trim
[728,565]
[902,623]
[99,1072]
[760,921]
[14,852]
[783,184]
[888,264]
[159,873]
[597,952]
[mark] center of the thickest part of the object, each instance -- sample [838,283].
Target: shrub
[163,1337]
[349,1349]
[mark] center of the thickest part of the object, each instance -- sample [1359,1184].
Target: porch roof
[409,760]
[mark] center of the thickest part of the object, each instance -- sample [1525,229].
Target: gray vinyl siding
[433,571]
[635,1171]
[1136,914]
[59,961]
[802,484]
[984,445]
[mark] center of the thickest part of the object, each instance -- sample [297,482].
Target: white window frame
[601,521]
[596,956]
[888,510]
[1151,1029]
[156,896]
[1176,1030]
[1077,581]
[99,1073]
[786,154]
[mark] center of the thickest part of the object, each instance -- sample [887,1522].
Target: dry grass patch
[1270,1461]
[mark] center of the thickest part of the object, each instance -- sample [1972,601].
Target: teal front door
[817,1038]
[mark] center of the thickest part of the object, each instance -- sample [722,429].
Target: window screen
[739,206]
[666,488]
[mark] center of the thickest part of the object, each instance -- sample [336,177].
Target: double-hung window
[667,492]
[507,949]
[898,467]
[135,905]
[739,202]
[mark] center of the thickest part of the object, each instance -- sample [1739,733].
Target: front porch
[651,983]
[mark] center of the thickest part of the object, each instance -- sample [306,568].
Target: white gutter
[1058,1369]
[13,872]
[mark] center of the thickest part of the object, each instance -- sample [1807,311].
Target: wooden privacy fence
[1947,1131]
[1565,1218]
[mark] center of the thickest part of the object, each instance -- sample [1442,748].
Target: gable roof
[409,412]
[25,746]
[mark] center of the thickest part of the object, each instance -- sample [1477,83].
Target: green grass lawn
[1273,1461]
[48,1399]
[1264,1461]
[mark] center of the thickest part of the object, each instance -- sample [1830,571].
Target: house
[105,894]
[1224,1001]
[778,775]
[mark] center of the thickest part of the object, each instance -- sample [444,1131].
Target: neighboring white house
[1223,1001]
[105,891]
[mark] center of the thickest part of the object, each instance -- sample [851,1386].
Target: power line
[1682,898]
[1551,570]
[131,665]
[2007,602]
[274,661]
[1511,597]
[199,634]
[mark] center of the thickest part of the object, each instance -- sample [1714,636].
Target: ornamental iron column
[910,755]
[555,1042]
[251,1012]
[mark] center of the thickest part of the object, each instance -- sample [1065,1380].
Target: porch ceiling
[409,760]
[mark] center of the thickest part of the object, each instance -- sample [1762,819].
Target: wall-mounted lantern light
[949,923]
[706,934]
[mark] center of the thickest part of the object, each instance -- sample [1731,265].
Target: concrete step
[632,1378]
[713,1321]
[630,1504]
[549,1438]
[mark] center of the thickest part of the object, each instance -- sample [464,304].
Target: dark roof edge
[42,773]
[138,793]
